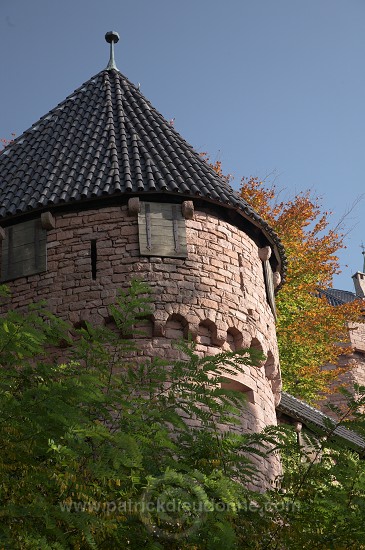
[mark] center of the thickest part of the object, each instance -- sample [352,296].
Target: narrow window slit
[94,257]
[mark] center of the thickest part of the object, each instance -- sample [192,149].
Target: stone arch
[234,339]
[235,385]
[144,328]
[237,326]
[233,322]
[208,334]
[270,366]
[159,317]
[272,374]
[276,387]
[80,324]
[176,327]
[257,345]
[86,316]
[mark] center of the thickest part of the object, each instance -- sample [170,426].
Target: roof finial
[112,38]
[363,253]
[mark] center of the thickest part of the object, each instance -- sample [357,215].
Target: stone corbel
[160,317]
[134,206]
[2,233]
[219,338]
[276,390]
[158,329]
[276,279]
[298,427]
[193,330]
[48,221]
[187,209]
[264,253]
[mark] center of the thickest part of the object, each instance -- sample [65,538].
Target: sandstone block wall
[355,363]
[357,336]
[217,293]
[354,375]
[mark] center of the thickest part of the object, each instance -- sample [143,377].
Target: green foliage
[86,433]
[309,328]
[320,498]
[91,436]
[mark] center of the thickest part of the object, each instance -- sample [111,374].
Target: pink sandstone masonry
[357,336]
[217,294]
[355,362]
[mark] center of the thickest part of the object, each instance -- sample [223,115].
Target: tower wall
[217,293]
[355,374]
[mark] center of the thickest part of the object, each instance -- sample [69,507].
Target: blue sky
[270,87]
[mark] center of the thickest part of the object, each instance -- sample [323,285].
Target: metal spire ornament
[112,38]
[363,253]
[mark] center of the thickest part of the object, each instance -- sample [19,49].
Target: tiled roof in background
[103,140]
[338,297]
[316,420]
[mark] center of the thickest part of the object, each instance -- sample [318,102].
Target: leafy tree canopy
[309,329]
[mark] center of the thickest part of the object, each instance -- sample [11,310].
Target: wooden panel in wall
[162,231]
[24,250]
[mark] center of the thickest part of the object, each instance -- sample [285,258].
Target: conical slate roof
[106,139]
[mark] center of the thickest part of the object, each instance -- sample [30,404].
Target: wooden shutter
[23,250]
[269,284]
[161,229]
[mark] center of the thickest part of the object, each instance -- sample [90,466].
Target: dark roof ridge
[301,411]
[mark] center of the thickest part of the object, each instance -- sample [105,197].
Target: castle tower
[355,360]
[103,189]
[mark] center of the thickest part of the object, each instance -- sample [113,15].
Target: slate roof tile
[337,297]
[104,139]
